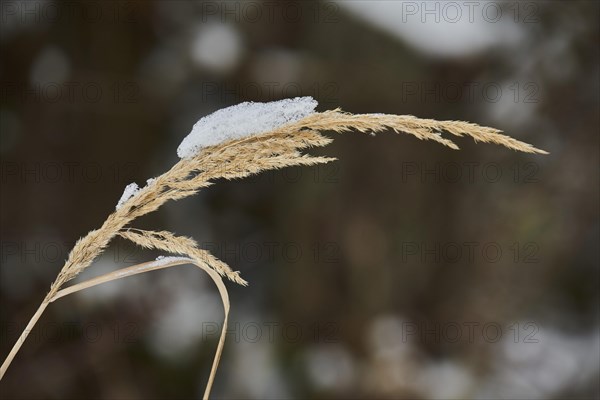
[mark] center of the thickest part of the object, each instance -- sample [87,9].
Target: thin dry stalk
[139,269]
[240,158]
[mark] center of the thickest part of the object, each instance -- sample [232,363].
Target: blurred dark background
[404,270]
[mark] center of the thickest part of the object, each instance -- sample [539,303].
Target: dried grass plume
[278,148]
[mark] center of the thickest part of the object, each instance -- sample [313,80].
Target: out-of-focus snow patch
[331,367]
[441,29]
[254,364]
[109,291]
[242,120]
[542,364]
[217,47]
[51,66]
[387,337]
[512,103]
[393,366]
[446,380]
[181,326]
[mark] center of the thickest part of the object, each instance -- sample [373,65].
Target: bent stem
[122,273]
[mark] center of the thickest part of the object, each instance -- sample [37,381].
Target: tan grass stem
[17,346]
[130,271]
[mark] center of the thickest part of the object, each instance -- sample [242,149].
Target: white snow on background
[217,46]
[331,367]
[181,325]
[441,29]
[130,191]
[242,120]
